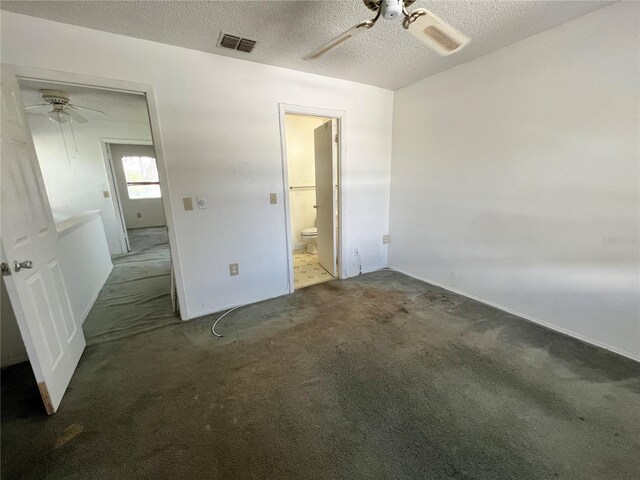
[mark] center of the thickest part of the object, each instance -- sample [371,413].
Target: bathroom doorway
[312,152]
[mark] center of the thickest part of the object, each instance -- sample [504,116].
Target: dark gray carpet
[136,297]
[376,377]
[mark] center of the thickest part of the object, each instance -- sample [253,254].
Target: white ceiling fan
[431,29]
[63,110]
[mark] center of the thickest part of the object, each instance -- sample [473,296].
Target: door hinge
[5,269]
[335,139]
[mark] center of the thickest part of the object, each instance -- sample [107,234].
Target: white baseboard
[204,313]
[545,324]
[94,297]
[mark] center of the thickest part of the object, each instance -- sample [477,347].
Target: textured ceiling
[119,106]
[385,56]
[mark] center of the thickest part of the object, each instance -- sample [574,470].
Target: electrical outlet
[139,215]
[385,239]
[106,194]
[233,269]
[188,203]
[273,198]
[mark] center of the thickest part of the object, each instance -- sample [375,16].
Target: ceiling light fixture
[58,115]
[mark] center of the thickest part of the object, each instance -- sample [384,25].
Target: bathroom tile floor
[307,271]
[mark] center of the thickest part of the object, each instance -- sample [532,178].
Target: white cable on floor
[213,327]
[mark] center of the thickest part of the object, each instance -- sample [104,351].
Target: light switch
[106,194]
[385,239]
[202,202]
[188,203]
[273,198]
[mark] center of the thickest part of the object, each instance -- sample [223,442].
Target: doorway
[121,193]
[312,158]
[132,171]
[56,260]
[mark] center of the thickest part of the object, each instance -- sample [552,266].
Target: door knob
[17,266]
[315,206]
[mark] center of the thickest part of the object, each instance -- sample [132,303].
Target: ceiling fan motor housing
[54,97]
[391,8]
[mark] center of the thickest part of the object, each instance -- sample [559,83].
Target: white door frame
[41,74]
[341,117]
[116,196]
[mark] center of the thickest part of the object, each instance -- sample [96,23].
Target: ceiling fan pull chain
[64,140]
[73,134]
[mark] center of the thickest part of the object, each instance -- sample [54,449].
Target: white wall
[515,178]
[220,135]
[150,210]
[84,260]
[302,172]
[77,186]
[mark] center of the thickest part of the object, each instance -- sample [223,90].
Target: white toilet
[310,237]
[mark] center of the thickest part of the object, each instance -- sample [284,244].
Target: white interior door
[51,333]
[325,137]
[117,200]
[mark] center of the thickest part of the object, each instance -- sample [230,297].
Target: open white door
[52,336]
[116,198]
[325,137]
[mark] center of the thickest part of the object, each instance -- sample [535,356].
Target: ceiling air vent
[236,43]
[246,45]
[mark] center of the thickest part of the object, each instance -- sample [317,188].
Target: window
[141,175]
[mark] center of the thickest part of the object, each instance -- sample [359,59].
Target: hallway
[136,297]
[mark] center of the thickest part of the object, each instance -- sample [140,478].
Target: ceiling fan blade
[75,107]
[435,32]
[75,115]
[36,106]
[339,40]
